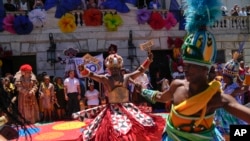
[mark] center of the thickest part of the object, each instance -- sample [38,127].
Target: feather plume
[201,13]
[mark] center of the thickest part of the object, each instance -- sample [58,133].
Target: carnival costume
[27,88]
[222,117]
[119,119]
[181,125]
[188,120]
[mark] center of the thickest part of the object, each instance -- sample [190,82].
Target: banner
[96,66]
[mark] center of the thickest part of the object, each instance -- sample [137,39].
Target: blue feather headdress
[201,13]
[200,46]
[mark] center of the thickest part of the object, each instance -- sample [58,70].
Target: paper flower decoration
[112,21]
[92,17]
[170,20]
[67,23]
[62,6]
[156,21]
[143,16]
[38,17]
[1,25]
[8,22]
[118,5]
[2,15]
[23,25]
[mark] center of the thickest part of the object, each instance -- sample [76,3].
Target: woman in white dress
[92,95]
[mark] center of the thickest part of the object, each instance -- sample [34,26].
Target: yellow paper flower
[67,23]
[112,21]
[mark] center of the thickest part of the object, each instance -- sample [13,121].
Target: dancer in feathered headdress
[195,99]
[230,86]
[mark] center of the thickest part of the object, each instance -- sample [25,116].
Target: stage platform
[55,131]
[60,130]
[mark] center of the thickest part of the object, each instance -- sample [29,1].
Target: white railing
[232,24]
[228,24]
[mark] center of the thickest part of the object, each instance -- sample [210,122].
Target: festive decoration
[118,5]
[143,15]
[67,23]
[170,21]
[175,44]
[8,23]
[156,21]
[92,17]
[112,21]
[200,46]
[38,17]
[23,25]
[62,6]
[201,13]
[2,15]
[70,52]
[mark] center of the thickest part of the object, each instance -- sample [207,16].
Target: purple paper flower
[38,17]
[143,16]
[23,25]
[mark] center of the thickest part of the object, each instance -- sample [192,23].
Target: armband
[146,63]
[149,95]
[85,72]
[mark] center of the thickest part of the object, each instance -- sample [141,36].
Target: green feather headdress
[201,13]
[200,46]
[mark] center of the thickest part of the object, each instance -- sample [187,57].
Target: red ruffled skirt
[123,122]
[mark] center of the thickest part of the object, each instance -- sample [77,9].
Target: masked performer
[119,119]
[194,99]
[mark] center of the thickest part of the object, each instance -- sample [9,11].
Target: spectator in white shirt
[72,93]
[92,95]
[243,12]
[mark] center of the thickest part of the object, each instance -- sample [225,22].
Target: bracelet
[149,95]
[141,68]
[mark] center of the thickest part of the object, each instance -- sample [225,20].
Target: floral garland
[112,21]
[67,23]
[92,17]
[22,24]
[155,19]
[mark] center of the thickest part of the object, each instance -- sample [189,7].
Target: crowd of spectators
[236,10]
[23,5]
